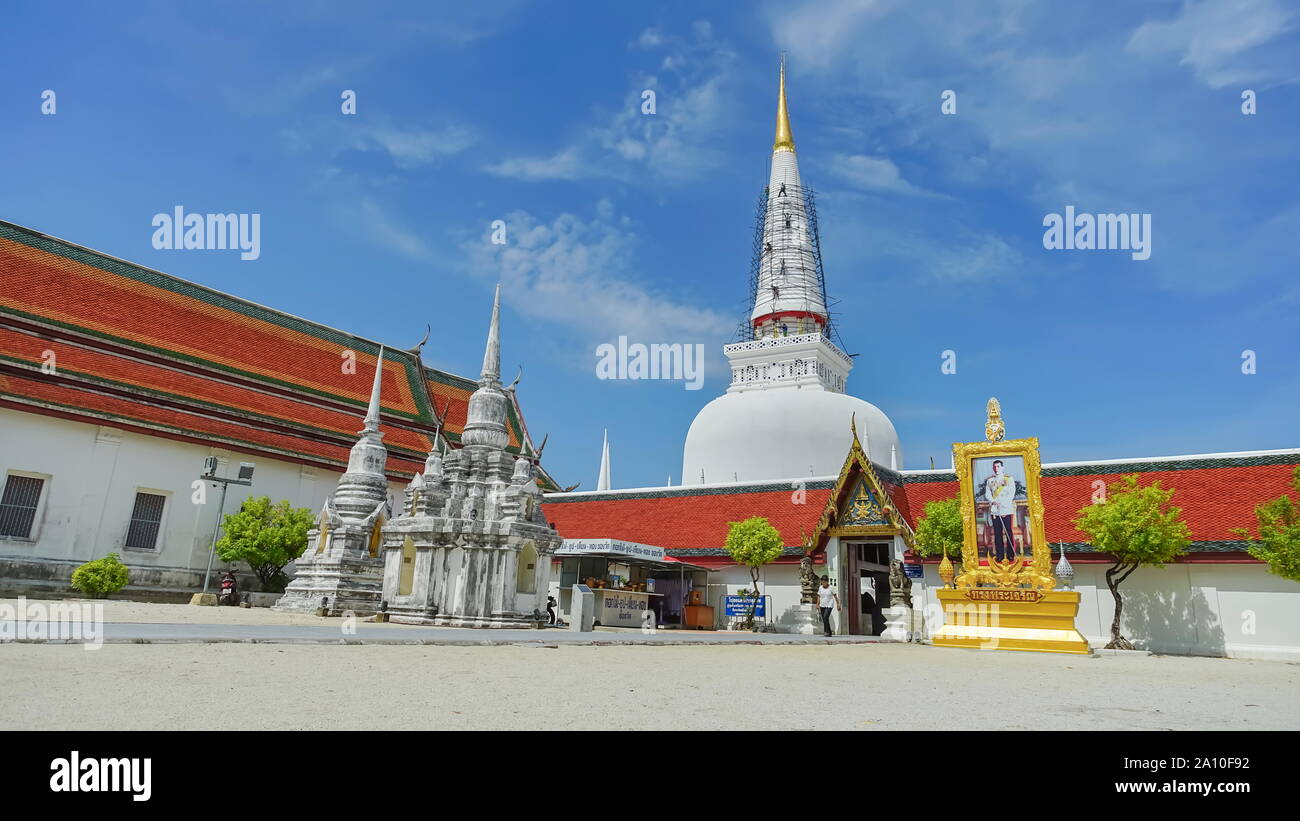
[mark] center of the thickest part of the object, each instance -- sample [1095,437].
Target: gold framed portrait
[1003,542]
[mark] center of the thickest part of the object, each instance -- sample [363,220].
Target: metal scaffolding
[788,248]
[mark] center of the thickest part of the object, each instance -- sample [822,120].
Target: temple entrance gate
[865,595]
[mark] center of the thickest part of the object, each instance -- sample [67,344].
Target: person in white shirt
[826,598]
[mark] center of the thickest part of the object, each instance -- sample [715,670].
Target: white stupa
[786,414]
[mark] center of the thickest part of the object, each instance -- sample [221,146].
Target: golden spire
[784,138]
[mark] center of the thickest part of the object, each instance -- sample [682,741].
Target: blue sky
[619,223]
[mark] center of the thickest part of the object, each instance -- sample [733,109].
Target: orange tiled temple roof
[137,348]
[1217,492]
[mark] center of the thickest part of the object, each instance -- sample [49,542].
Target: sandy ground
[874,686]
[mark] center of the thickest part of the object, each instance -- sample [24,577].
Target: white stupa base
[804,619]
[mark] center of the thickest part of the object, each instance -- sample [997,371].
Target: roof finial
[784,137]
[602,483]
[994,427]
[492,356]
[372,412]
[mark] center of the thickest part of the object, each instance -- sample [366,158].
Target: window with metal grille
[18,505]
[146,519]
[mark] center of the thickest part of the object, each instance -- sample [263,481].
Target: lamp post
[245,477]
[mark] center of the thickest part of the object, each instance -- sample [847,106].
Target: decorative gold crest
[994,429]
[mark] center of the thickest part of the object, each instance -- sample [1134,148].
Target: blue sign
[914,571]
[739,606]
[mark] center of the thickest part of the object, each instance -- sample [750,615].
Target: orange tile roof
[1216,493]
[138,347]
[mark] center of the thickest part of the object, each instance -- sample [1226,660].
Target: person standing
[826,599]
[1000,490]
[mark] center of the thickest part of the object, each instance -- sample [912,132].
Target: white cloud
[566,165]
[875,174]
[387,233]
[693,98]
[413,147]
[1215,36]
[982,259]
[579,273]
[650,38]
[817,33]
[408,146]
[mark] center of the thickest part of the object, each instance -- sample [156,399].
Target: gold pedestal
[1010,619]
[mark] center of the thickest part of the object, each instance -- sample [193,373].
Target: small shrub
[101,578]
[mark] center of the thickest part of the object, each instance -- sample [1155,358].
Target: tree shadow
[1177,622]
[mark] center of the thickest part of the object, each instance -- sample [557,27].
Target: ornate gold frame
[1037,571]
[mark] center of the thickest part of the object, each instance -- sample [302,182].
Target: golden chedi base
[992,618]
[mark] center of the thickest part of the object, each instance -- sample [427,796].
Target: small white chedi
[341,570]
[472,548]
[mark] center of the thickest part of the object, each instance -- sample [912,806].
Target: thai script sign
[739,606]
[980,594]
[584,547]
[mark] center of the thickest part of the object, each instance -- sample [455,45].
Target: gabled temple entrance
[861,521]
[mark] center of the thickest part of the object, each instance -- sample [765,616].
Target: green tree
[1136,525]
[266,536]
[753,543]
[1279,534]
[941,529]
[101,578]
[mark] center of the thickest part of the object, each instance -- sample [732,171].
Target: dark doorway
[868,577]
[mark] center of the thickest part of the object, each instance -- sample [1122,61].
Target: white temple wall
[92,474]
[1207,609]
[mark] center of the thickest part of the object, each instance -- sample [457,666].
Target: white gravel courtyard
[858,686]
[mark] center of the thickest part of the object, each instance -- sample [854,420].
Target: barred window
[18,505]
[146,519]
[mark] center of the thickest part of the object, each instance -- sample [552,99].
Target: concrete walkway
[363,633]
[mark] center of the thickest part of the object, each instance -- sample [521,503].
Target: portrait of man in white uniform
[999,487]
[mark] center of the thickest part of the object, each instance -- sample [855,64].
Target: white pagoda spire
[364,485]
[372,412]
[486,418]
[788,299]
[602,482]
[492,353]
